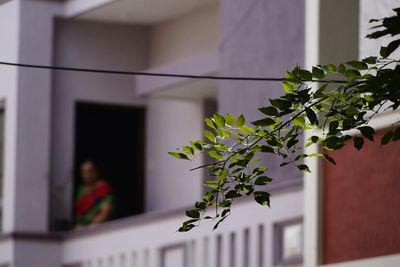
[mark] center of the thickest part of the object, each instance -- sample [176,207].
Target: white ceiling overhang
[132,11]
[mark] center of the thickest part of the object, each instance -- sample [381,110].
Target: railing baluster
[261,245]
[122,260]
[111,261]
[99,262]
[253,247]
[192,256]
[200,253]
[211,251]
[134,259]
[147,258]
[240,249]
[226,250]
[232,250]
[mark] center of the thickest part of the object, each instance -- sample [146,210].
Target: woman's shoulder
[103,185]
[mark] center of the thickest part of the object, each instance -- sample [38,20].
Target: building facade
[52,120]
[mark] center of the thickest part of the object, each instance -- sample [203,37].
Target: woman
[94,200]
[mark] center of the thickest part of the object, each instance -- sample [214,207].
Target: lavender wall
[259,38]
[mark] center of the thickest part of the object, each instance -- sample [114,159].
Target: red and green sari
[88,204]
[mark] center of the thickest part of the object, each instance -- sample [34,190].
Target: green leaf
[347,123]
[232,194]
[201,205]
[208,197]
[288,87]
[331,68]
[351,111]
[266,149]
[193,214]
[314,139]
[300,157]
[197,146]
[303,168]
[312,117]
[178,155]
[210,136]
[353,74]
[186,227]
[388,50]
[263,180]
[358,142]
[396,135]
[214,154]
[305,75]
[210,123]
[333,126]
[262,198]
[264,122]
[259,171]
[245,129]
[299,121]
[328,158]
[188,150]
[220,221]
[320,92]
[269,111]
[219,120]
[370,60]
[281,103]
[368,132]
[359,65]
[292,141]
[241,121]
[225,212]
[318,73]
[342,68]
[386,138]
[230,119]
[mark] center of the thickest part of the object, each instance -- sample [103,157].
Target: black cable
[154,74]
[139,73]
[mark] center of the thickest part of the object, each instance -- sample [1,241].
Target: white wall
[184,37]
[172,123]
[90,45]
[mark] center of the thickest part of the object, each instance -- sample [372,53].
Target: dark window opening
[113,136]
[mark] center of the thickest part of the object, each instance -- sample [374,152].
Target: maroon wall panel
[362,202]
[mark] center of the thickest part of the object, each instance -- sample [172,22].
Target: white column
[172,123]
[9,27]
[32,128]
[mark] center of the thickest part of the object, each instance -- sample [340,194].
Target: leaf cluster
[335,99]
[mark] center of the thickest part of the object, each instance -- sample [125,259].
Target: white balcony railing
[244,239]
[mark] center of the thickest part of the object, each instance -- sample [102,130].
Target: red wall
[362,202]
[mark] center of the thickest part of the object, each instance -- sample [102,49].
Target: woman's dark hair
[95,163]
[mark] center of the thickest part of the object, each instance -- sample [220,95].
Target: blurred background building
[51,120]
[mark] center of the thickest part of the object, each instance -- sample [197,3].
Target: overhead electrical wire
[140,73]
[153,74]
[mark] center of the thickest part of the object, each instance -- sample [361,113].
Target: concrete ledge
[75,8]
[32,236]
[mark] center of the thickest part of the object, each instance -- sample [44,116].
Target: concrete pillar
[9,27]
[27,131]
[171,124]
